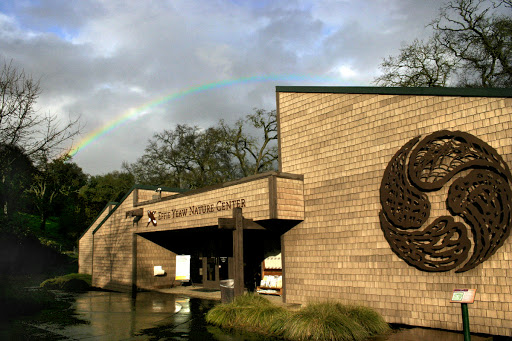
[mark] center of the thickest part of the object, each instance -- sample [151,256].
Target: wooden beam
[139,212]
[230,224]
[238,251]
[238,224]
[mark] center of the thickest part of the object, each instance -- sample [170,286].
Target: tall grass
[368,318]
[323,321]
[334,321]
[320,321]
[250,313]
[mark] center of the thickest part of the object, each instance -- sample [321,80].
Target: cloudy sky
[110,61]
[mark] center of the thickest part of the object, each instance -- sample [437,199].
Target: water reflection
[152,316]
[189,324]
[118,316]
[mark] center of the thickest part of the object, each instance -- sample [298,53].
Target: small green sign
[463,296]
[457,296]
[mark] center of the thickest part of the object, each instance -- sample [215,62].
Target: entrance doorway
[215,269]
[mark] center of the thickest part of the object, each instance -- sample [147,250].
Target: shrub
[323,321]
[320,321]
[368,318]
[70,282]
[250,313]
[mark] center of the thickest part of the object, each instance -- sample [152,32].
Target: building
[386,197]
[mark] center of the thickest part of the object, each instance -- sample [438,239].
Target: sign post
[464,296]
[238,224]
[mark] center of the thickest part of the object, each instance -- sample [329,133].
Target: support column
[237,224]
[134,265]
[238,251]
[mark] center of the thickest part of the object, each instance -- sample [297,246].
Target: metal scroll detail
[480,195]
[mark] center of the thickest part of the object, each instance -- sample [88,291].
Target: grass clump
[319,321]
[368,318]
[323,321]
[70,282]
[251,313]
[334,321]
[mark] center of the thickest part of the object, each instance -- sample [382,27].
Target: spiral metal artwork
[479,193]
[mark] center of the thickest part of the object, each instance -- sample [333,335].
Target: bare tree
[481,40]
[254,154]
[20,124]
[185,157]
[471,47]
[418,64]
[190,157]
[24,130]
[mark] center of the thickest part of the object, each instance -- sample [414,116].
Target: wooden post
[237,224]
[238,251]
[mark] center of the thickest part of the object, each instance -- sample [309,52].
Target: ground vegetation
[316,321]
[70,282]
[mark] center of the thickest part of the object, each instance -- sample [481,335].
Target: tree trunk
[44,217]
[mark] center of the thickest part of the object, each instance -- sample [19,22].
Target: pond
[118,316]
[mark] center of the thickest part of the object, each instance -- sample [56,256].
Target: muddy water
[148,316]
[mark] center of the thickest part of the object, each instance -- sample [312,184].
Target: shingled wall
[342,143]
[117,253]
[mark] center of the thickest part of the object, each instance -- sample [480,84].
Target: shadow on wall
[112,266]
[146,278]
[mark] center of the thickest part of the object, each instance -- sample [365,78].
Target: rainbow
[135,113]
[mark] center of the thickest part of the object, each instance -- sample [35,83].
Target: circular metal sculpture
[480,195]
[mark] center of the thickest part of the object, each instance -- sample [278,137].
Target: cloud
[101,58]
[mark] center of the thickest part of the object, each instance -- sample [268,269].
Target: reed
[323,321]
[250,313]
[368,318]
[318,321]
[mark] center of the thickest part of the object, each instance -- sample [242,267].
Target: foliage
[25,136]
[16,171]
[190,157]
[368,318]
[55,190]
[69,282]
[251,313]
[52,236]
[101,189]
[24,262]
[323,321]
[320,321]
[471,46]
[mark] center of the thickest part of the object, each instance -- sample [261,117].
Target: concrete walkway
[409,334]
[193,291]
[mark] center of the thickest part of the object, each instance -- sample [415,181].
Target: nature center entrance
[216,269]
